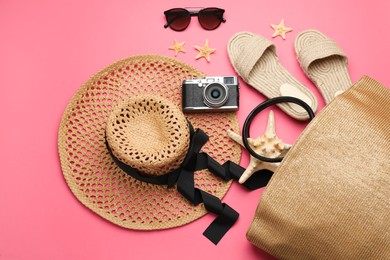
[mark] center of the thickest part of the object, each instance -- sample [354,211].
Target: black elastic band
[261,107]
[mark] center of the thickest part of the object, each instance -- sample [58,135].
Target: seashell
[268,145]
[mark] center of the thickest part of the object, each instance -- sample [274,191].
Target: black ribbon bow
[184,178]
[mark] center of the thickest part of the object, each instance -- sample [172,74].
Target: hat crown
[148,133]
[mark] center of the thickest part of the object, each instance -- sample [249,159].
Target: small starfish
[177,47]
[204,51]
[268,145]
[280,29]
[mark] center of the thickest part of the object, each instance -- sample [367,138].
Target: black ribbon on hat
[184,178]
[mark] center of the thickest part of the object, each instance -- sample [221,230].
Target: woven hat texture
[148,133]
[93,176]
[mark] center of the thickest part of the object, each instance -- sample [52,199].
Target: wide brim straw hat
[89,169]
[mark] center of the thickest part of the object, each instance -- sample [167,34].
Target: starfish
[177,47]
[267,145]
[204,51]
[280,29]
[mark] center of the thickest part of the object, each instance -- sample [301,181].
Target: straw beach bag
[330,197]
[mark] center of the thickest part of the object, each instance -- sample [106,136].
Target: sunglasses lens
[210,18]
[178,19]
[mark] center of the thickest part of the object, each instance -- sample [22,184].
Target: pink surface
[49,48]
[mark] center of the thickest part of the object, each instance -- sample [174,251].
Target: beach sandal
[254,59]
[324,62]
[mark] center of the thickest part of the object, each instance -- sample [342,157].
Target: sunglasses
[178,19]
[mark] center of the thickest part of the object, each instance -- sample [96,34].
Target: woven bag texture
[329,198]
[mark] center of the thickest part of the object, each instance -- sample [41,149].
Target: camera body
[210,94]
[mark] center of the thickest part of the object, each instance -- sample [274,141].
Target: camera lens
[215,95]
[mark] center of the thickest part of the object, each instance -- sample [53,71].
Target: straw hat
[131,111]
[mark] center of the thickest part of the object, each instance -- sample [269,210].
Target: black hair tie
[261,107]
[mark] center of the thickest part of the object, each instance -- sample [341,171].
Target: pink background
[49,48]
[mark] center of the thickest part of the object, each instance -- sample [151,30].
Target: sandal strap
[319,50]
[250,53]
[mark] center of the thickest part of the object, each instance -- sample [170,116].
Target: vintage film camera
[210,94]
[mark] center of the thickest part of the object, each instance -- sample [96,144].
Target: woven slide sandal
[254,59]
[324,62]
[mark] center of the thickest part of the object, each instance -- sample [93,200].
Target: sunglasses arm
[220,17]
